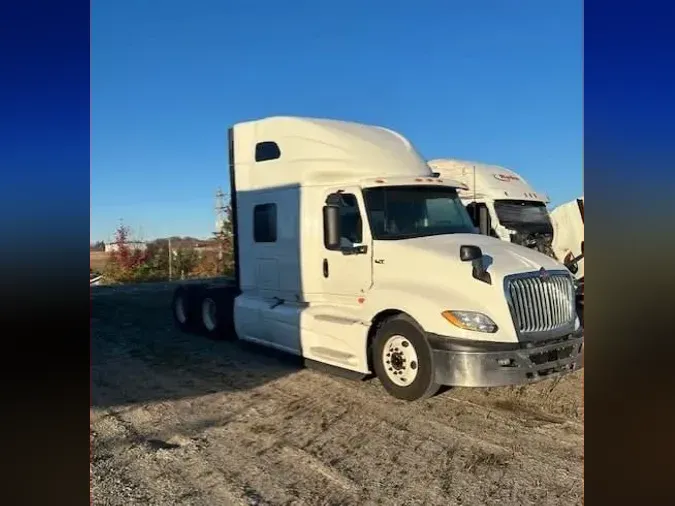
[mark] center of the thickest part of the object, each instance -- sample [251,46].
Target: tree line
[187,258]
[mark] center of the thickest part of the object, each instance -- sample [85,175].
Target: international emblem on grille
[543,274]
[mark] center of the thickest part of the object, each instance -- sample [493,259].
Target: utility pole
[221,219]
[170,260]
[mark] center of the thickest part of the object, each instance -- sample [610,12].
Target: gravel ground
[178,419]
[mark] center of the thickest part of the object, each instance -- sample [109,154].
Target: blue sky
[488,80]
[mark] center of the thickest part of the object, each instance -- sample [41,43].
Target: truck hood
[425,276]
[502,258]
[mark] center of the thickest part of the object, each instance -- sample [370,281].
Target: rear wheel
[209,314]
[216,313]
[403,360]
[183,306]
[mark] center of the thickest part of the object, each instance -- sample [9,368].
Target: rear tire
[403,360]
[183,307]
[216,314]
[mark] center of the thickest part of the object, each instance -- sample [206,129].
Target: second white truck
[568,234]
[568,242]
[351,254]
[503,204]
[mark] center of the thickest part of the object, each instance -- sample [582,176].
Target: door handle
[325,267]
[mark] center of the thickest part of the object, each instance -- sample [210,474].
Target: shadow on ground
[139,356]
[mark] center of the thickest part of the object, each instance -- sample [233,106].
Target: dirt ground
[179,419]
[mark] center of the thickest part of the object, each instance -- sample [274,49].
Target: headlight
[470,320]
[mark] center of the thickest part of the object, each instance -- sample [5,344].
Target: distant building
[132,245]
[202,247]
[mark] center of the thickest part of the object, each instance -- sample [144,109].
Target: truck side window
[350,220]
[265,223]
[268,150]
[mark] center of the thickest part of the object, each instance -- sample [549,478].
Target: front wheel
[403,360]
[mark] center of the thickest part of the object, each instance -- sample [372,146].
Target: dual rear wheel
[204,310]
[184,308]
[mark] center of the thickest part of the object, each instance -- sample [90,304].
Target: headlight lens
[471,320]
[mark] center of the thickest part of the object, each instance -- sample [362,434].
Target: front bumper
[488,364]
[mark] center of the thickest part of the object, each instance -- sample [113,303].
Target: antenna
[474,183]
[475,204]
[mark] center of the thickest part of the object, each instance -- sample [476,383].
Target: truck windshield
[405,212]
[523,214]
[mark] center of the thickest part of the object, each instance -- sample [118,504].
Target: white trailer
[349,253]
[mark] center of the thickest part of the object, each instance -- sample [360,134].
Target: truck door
[347,273]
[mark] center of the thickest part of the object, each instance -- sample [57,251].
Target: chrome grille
[541,305]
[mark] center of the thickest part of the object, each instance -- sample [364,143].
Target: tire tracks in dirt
[498,442]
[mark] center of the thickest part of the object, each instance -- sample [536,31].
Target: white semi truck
[568,234]
[568,242]
[349,253]
[503,204]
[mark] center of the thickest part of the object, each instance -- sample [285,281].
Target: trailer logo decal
[507,178]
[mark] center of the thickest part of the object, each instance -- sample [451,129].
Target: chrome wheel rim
[400,360]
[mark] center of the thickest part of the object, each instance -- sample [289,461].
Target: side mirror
[473,254]
[484,225]
[571,263]
[469,253]
[331,227]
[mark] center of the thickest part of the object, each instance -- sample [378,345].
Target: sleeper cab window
[265,223]
[267,150]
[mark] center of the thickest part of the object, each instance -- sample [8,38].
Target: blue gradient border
[44,136]
[629,122]
[44,166]
[629,162]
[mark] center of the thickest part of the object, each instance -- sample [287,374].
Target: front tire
[403,360]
